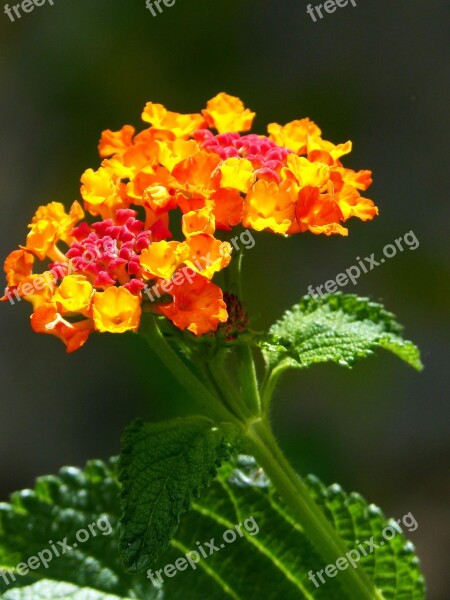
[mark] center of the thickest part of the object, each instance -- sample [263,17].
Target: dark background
[376,74]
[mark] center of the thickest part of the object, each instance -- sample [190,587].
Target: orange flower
[188,181]
[206,254]
[227,113]
[227,208]
[318,213]
[113,142]
[141,156]
[197,305]
[50,224]
[116,310]
[352,204]
[270,206]
[360,180]
[196,172]
[152,189]
[179,125]
[18,265]
[46,319]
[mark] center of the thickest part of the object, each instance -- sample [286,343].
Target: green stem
[224,387]
[248,379]
[197,390]
[263,445]
[269,384]
[318,529]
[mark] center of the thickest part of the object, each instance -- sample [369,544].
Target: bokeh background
[377,74]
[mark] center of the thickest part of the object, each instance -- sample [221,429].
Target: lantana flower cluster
[195,176]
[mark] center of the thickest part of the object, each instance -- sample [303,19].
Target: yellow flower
[74,294]
[317,143]
[306,172]
[237,173]
[172,153]
[178,177]
[37,289]
[179,125]
[42,238]
[102,191]
[198,221]
[116,310]
[162,259]
[227,114]
[270,206]
[207,255]
[50,224]
[293,135]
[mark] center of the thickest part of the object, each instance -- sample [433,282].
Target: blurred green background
[377,74]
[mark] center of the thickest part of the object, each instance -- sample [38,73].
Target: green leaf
[163,466]
[58,509]
[274,563]
[270,560]
[336,328]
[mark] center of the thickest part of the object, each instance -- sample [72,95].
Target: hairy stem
[263,445]
[248,379]
[208,401]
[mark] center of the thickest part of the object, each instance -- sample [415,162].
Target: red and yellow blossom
[197,305]
[157,207]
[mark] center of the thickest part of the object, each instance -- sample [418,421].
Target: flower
[227,113]
[46,319]
[197,304]
[18,264]
[155,210]
[74,294]
[116,310]
[162,259]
